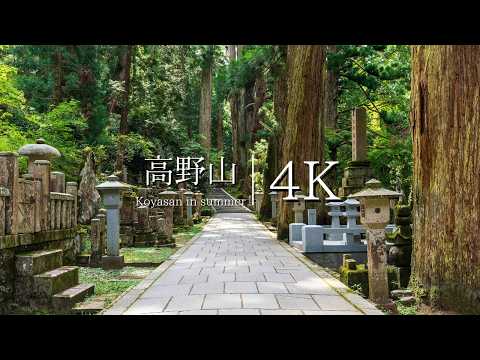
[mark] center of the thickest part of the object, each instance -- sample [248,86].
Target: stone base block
[295,232]
[312,238]
[113,262]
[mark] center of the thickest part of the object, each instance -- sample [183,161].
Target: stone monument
[111,191]
[358,170]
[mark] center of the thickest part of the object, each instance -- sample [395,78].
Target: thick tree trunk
[126,64]
[330,90]
[445,120]
[234,110]
[220,128]
[206,109]
[303,131]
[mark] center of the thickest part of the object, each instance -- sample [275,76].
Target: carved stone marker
[359,134]
[358,170]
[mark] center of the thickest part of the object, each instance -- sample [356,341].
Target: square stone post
[182,208]
[273,200]
[57,182]
[96,243]
[359,134]
[189,205]
[4,193]
[41,172]
[72,189]
[168,210]
[9,179]
[198,204]
[258,201]
[103,231]
[312,216]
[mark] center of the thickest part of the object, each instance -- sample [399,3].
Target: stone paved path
[235,267]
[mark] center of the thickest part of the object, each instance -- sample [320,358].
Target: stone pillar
[258,201]
[168,211]
[273,200]
[111,196]
[41,172]
[9,179]
[57,182]
[359,134]
[103,230]
[198,204]
[299,208]
[312,216]
[377,266]
[4,193]
[96,244]
[182,208]
[189,205]
[161,234]
[72,189]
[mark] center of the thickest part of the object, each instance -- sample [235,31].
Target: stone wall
[38,211]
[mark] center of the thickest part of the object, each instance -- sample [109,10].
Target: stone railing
[34,204]
[38,211]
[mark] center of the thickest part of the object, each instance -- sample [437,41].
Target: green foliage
[376,77]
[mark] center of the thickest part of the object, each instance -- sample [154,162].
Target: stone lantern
[375,215]
[38,151]
[273,200]
[189,197]
[111,192]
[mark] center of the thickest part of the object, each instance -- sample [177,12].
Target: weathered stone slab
[36,262]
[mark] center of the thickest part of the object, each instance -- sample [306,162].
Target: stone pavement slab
[235,266]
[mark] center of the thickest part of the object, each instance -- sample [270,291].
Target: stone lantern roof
[351,202]
[112,183]
[39,151]
[374,189]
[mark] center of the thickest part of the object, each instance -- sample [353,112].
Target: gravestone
[358,171]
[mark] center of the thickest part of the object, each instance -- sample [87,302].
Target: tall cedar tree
[445,121]
[303,132]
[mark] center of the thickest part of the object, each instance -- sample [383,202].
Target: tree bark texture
[445,121]
[206,108]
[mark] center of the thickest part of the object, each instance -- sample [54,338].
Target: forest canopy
[76,98]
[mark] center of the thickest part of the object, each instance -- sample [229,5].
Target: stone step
[37,262]
[52,282]
[67,299]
